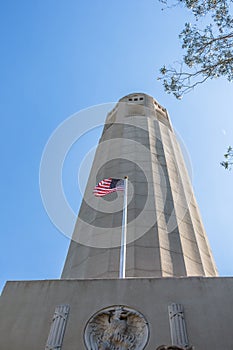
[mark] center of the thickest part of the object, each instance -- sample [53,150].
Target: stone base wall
[28,310]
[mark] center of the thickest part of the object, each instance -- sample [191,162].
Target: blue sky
[59,57]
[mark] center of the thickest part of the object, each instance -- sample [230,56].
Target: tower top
[143,99]
[138,104]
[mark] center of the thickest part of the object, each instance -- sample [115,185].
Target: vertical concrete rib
[181,212]
[199,239]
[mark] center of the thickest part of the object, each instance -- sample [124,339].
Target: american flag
[108,186]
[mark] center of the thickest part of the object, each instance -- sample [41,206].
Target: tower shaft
[165,234]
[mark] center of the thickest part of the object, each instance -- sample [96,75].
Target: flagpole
[124,231]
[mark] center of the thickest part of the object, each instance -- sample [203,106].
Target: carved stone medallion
[116,328]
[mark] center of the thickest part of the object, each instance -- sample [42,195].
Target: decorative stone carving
[116,328]
[177,326]
[57,329]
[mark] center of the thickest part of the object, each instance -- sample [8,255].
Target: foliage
[208,49]
[227,164]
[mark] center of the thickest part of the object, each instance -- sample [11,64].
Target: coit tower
[165,234]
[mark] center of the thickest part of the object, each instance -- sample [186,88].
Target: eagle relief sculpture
[116,328]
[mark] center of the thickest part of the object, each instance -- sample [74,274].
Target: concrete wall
[27,308]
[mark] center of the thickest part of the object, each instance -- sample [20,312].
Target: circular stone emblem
[116,328]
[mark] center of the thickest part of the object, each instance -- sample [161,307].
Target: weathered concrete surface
[26,309]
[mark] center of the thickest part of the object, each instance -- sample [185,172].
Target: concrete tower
[165,234]
[171,294]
